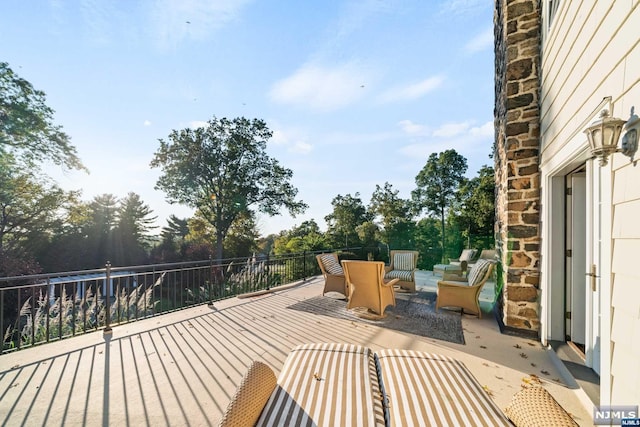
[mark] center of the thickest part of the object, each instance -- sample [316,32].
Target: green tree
[70,248]
[26,124]
[475,209]
[242,237]
[223,170]
[348,213]
[172,240]
[394,213]
[134,224]
[305,237]
[103,214]
[368,233]
[427,241]
[29,214]
[437,184]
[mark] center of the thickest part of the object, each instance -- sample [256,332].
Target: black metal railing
[41,308]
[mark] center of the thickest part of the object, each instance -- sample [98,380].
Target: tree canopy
[223,170]
[474,207]
[348,213]
[26,124]
[437,184]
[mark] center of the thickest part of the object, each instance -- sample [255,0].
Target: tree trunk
[219,240]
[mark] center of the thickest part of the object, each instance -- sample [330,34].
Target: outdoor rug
[413,313]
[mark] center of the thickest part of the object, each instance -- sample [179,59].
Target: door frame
[553,169]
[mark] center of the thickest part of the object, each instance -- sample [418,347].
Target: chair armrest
[250,397]
[536,403]
[391,282]
[387,268]
[452,260]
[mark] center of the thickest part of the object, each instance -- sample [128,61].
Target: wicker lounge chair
[464,259]
[367,288]
[463,292]
[489,254]
[333,274]
[402,265]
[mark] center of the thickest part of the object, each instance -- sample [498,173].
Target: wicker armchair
[402,266]
[489,254]
[333,274]
[464,259]
[463,292]
[367,288]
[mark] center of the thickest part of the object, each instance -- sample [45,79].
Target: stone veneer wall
[517,118]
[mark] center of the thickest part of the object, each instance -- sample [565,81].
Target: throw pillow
[331,265]
[478,271]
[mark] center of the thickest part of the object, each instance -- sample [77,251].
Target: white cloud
[480,42]
[147,123]
[461,7]
[449,130]
[293,140]
[412,91]
[301,147]
[322,88]
[176,20]
[470,141]
[487,130]
[195,124]
[411,128]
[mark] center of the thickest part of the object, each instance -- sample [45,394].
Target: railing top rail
[42,278]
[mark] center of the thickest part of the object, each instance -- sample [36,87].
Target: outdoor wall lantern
[603,135]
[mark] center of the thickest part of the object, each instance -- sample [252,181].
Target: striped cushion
[331,265]
[478,271]
[403,261]
[428,389]
[406,276]
[467,254]
[326,385]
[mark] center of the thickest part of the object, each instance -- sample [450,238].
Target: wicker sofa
[346,385]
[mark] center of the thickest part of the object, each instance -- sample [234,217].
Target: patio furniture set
[372,285]
[340,384]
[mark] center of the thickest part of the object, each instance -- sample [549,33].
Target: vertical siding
[591,52]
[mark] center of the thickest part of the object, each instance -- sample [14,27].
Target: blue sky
[357,93]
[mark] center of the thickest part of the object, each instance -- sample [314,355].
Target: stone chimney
[517,140]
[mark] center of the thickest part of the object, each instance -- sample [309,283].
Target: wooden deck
[182,368]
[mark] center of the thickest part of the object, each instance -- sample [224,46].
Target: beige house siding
[592,51]
[625,331]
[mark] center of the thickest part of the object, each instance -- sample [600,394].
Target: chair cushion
[467,254]
[326,385]
[331,265]
[403,261]
[430,389]
[478,271]
[405,276]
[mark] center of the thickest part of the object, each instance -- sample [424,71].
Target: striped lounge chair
[328,384]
